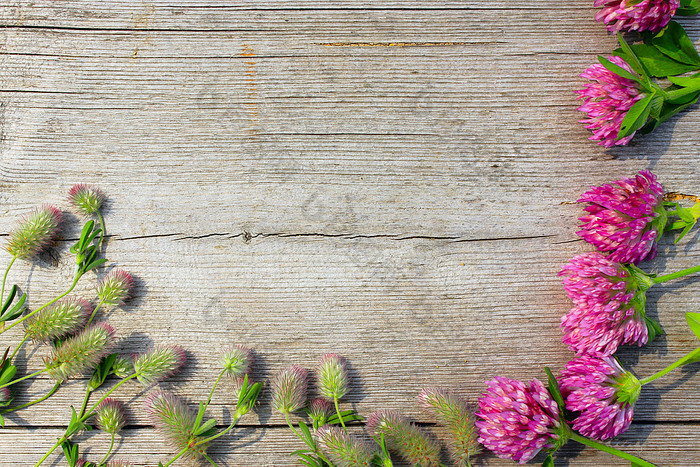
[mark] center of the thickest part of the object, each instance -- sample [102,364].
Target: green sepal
[618,70]
[636,116]
[75,424]
[207,426]
[553,387]
[103,370]
[653,327]
[693,320]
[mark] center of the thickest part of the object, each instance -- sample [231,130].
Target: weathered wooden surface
[382,180]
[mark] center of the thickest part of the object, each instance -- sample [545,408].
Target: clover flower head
[645,15]
[319,410]
[332,376]
[289,389]
[34,233]
[606,100]
[158,363]
[81,352]
[625,218]
[517,419]
[174,420]
[403,437]
[123,366]
[62,318]
[111,416]
[608,306]
[86,199]
[453,413]
[343,449]
[237,361]
[115,287]
[602,393]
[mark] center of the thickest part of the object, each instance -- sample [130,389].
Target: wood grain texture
[382,180]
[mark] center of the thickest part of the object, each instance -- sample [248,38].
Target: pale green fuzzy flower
[58,320]
[237,361]
[111,416]
[115,287]
[332,377]
[81,352]
[86,199]
[319,411]
[404,438]
[343,449]
[289,389]
[34,232]
[123,367]
[158,363]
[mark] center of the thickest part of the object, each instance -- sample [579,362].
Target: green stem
[4,278]
[14,352]
[675,275]
[24,377]
[179,454]
[94,312]
[58,443]
[337,410]
[75,281]
[611,450]
[85,402]
[29,404]
[689,358]
[109,451]
[314,447]
[211,393]
[209,459]
[102,228]
[221,433]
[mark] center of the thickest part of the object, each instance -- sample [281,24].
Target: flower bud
[158,363]
[289,389]
[111,416]
[115,287]
[86,199]
[237,361]
[34,232]
[57,320]
[81,352]
[319,411]
[332,376]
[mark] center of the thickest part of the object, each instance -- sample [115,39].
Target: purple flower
[343,449]
[626,15]
[404,437]
[608,306]
[603,394]
[34,233]
[606,100]
[517,419]
[625,218]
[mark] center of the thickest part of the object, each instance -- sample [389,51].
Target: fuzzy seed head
[237,361]
[453,413]
[115,288]
[34,233]
[343,449]
[86,199]
[289,389]
[81,352]
[405,438]
[175,421]
[123,366]
[62,318]
[320,410]
[332,376]
[111,416]
[158,363]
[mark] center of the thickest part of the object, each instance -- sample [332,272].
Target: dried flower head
[81,352]
[86,199]
[175,421]
[628,15]
[289,389]
[158,363]
[237,360]
[606,100]
[517,419]
[453,413]
[319,410]
[60,319]
[332,376]
[115,287]
[111,416]
[343,449]
[34,232]
[404,437]
[123,366]
[602,393]
[608,306]
[625,218]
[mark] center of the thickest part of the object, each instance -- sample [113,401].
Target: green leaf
[94,264]
[7,374]
[548,462]
[618,70]
[82,242]
[693,320]
[208,425]
[636,117]
[16,311]
[688,8]
[307,434]
[675,43]
[656,63]
[553,387]
[8,302]
[103,370]
[71,452]
[632,61]
[200,415]
[300,451]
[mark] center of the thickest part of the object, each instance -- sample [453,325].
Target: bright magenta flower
[625,15]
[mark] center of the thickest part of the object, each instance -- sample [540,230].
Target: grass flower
[332,377]
[158,363]
[60,319]
[627,15]
[606,100]
[34,232]
[518,420]
[404,437]
[343,449]
[602,393]
[175,421]
[237,361]
[86,199]
[289,389]
[115,287]
[625,218]
[453,413]
[81,352]
[111,416]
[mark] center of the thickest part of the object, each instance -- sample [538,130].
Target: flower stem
[337,410]
[14,352]
[314,447]
[75,281]
[675,275]
[179,454]
[4,278]
[94,312]
[24,377]
[689,358]
[221,433]
[611,450]
[209,459]
[29,404]
[102,228]
[211,393]
[85,402]
[109,451]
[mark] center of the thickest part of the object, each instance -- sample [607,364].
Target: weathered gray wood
[380,180]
